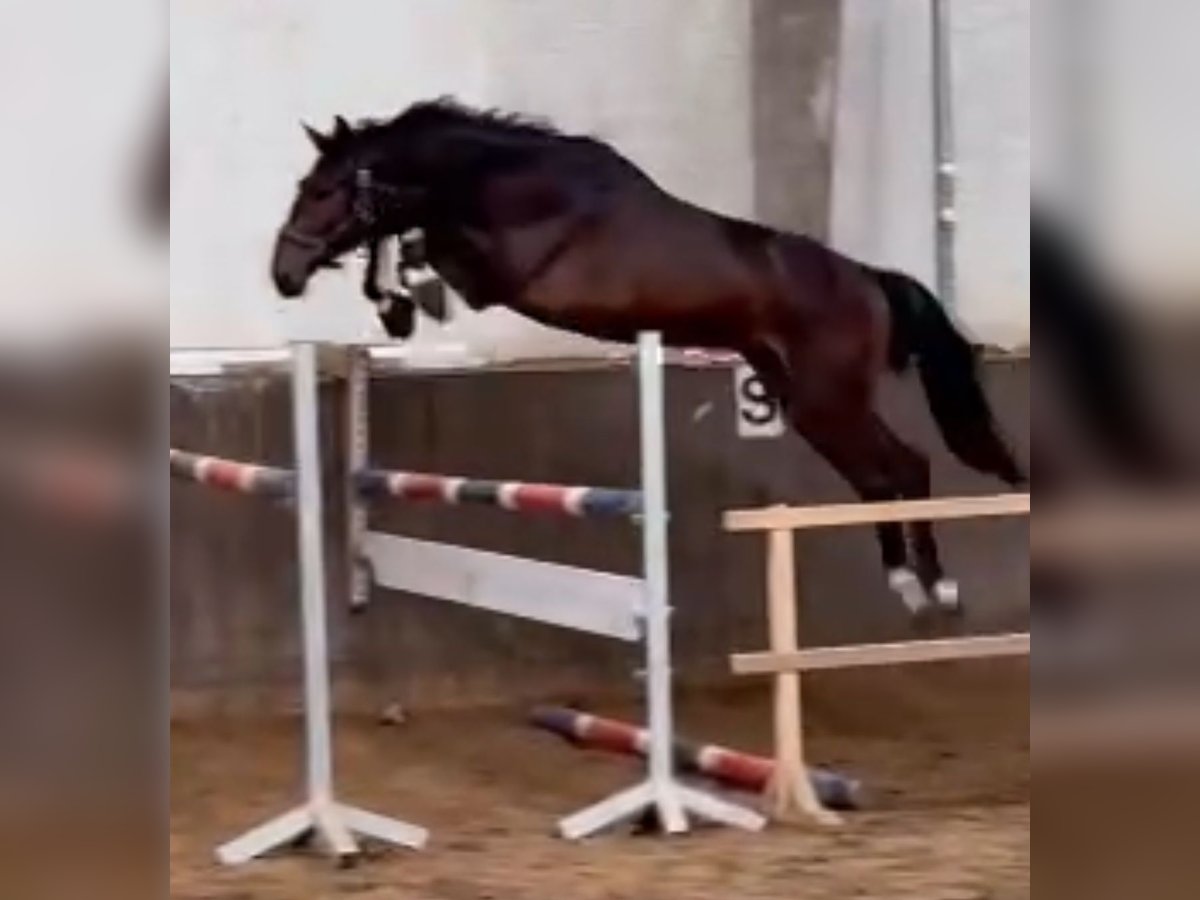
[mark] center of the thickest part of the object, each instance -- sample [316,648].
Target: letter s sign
[758,414]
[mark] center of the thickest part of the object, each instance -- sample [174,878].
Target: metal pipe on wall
[945,165]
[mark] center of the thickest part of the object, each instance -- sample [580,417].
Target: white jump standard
[614,606]
[661,791]
[332,823]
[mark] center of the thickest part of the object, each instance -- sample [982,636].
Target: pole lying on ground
[734,768]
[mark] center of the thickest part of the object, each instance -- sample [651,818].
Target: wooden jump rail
[840,515]
[791,792]
[230,475]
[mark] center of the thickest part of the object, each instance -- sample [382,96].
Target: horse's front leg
[395,310]
[370,282]
[419,280]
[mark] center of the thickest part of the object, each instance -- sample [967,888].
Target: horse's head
[340,204]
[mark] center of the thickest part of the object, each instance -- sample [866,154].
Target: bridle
[366,213]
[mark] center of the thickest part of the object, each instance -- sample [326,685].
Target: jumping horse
[565,230]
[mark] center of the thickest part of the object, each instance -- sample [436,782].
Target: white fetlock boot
[945,592]
[905,584]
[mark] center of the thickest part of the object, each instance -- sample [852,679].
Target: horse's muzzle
[288,285]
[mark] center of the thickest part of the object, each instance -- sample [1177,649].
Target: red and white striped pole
[731,767]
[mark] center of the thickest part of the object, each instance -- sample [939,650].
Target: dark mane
[440,113]
[444,113]
[448,110]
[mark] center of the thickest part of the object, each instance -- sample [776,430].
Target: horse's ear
[320,141]
[341,129]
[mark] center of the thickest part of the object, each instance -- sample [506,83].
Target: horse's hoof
[945,592]
[398,317]
[905,584]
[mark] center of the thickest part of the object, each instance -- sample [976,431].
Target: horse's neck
[515,221]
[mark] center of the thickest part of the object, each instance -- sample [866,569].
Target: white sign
[758,414]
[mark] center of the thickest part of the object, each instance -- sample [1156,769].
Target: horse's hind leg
[881,468]
[853,442]
[911,472]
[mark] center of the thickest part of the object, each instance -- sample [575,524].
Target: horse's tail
[949,372]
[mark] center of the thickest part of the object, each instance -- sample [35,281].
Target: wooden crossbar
[881,654]
[840,515]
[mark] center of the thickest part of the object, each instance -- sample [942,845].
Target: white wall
[666,80]
[883,193]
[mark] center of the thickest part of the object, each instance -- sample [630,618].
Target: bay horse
[565,230]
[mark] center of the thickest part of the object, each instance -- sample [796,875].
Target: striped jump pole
[229,475]
[731,767]
[516,496]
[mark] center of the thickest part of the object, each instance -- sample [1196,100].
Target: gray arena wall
[234,607]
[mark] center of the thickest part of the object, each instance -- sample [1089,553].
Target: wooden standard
[791,793]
